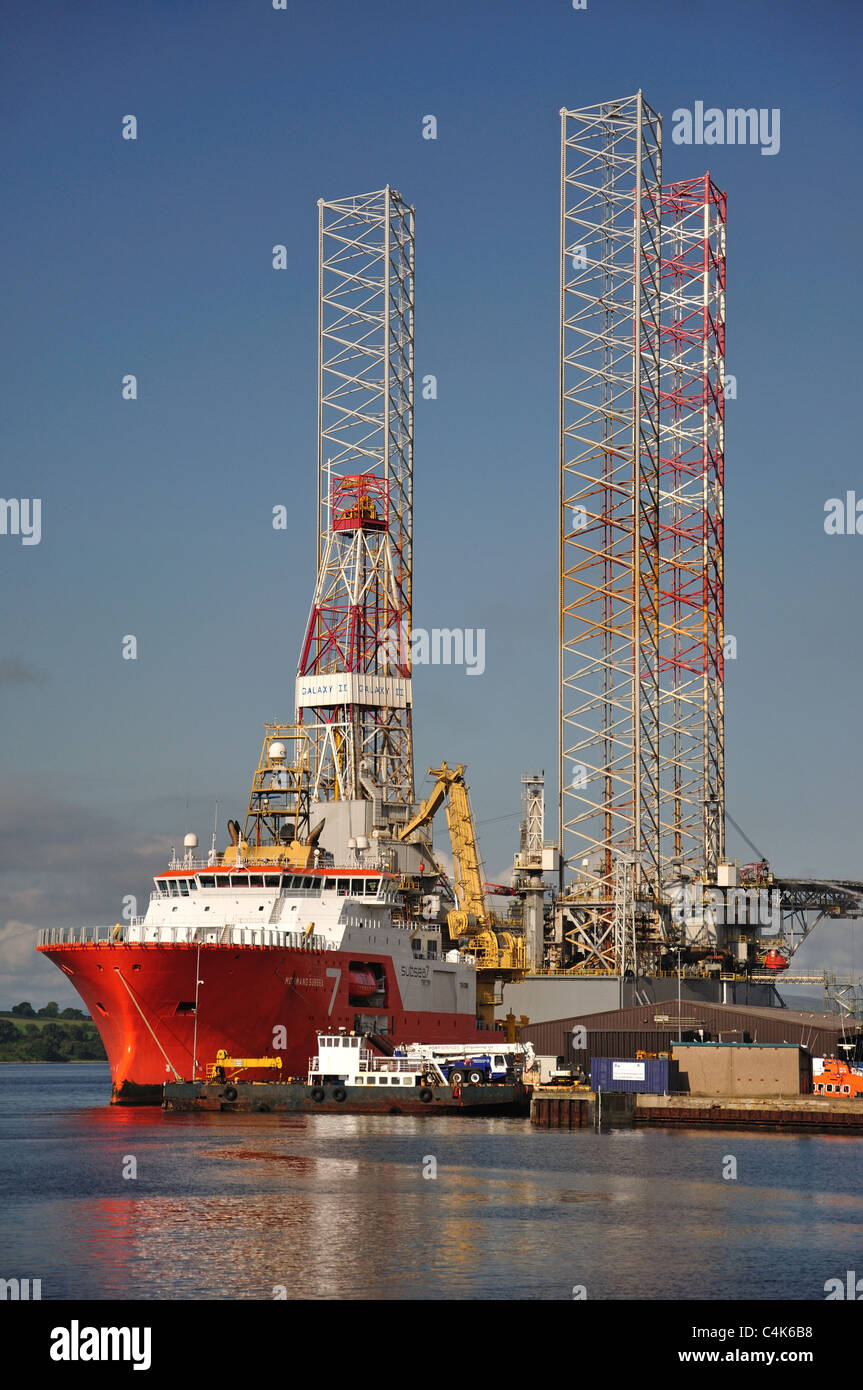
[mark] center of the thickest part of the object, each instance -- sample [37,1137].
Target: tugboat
[349,1074]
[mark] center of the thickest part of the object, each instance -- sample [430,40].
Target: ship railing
[374,863]
[390,1064]
[138,933]
[74,936]
[290,893]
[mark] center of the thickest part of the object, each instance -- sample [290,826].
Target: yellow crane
[217,1071]
[499,954]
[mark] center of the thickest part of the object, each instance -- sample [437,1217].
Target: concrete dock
[553,1108]
[804,1114]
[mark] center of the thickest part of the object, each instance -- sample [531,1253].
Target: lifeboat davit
[775,961]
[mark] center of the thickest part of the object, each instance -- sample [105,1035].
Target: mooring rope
[177,1076]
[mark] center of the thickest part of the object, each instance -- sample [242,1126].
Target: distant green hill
[49,1040]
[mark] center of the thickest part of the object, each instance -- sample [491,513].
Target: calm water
[337,1206]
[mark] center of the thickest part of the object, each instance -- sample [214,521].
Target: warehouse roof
[652,1027]
[695,1013]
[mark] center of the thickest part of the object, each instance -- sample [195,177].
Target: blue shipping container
[650,1074]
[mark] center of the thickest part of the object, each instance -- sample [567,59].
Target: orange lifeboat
[775,961]
[838,1079]
[362,983]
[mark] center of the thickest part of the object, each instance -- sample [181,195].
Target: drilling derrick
[692,467]
[609,518]
[354,679]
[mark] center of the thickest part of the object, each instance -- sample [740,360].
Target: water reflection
[337,1207]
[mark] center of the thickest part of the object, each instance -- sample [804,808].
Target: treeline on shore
[49,1035]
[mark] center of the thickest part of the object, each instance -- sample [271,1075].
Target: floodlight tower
[609,513]
[354,679]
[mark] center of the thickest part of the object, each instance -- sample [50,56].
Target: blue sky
[154,257]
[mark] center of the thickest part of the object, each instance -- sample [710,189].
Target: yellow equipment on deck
[218,1071]
[499,954]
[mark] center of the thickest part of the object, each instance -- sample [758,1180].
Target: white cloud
[24,974]
[62,865]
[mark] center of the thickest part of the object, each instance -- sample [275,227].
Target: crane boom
[498,953]
[450,789]
[467,865]
[432,804]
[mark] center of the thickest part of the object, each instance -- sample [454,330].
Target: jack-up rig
[646,901]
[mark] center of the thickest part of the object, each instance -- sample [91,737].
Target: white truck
[473,1062]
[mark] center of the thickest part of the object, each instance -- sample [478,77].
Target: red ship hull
[253,1001]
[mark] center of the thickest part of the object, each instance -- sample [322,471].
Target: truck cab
[482,1067]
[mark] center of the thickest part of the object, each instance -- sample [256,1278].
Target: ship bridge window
[272,880]
[256,880]
[223,881]
[356,887]
[172,888]
[207,881]
[184,887]
[161,886]
[372,885]
[344,887]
